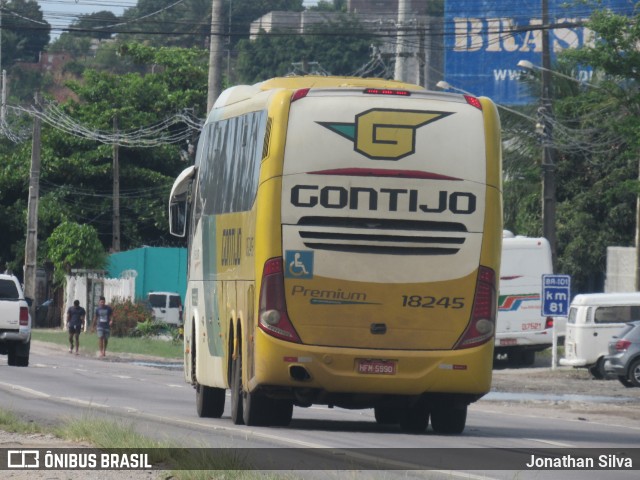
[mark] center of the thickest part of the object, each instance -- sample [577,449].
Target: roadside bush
[149,328]
[127,315]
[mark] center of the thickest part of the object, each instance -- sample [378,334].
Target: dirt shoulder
[563,392]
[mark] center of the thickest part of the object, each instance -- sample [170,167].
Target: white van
[166,306]
[593,319]
[521,331]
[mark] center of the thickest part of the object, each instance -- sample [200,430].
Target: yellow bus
[344,240]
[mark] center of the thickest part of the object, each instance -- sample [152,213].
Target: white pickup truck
[15,322]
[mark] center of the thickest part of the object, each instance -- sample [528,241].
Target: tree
[275,54]
[595,135]
[185,25]
[598,183]
[76,173]
[24,31]
[98,25]
[330,6]
[72,245]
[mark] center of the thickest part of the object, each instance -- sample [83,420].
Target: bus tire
[414,418]
[236,390]
[209,401]
[386,415]
[281,412]
[448,418]
[255,409]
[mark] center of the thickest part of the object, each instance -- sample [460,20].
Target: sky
[60,13]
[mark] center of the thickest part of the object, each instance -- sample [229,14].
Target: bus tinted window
[230,163]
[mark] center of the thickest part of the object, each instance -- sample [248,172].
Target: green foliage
[595,137]
[94,25]
[23,82]
[150,346]
[76,182]
[72,245]
[128,316]
[71,44]
[272,55]
[330,6]
[149,328]
[20,41]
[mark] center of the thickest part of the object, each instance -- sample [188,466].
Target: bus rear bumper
[285,365]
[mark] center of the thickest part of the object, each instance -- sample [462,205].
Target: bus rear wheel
[255,409]
[281,412]
[236,390]
[448,418]
[414,418]
[209,401]
[386,415]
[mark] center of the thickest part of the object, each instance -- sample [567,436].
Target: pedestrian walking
[75,324]
[104,320]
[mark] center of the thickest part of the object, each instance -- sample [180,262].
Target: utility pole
[31,245]
[3,73]
[115,243]
[548,151]
[400,72]
[215,54]
[637,282]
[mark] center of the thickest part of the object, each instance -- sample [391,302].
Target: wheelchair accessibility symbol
[298,264]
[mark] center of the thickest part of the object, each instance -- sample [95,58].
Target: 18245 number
[419,301]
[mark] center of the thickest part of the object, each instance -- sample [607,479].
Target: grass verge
[183,464]
[155,347]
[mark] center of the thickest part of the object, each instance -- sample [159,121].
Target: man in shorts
[104,321]
[75,324]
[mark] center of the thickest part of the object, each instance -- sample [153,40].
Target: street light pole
[548,151]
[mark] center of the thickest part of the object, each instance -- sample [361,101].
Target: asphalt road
[158,403]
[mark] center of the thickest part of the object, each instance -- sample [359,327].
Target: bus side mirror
[178,217]
[178,202]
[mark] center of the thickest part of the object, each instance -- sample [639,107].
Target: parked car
[15,322]
[623,360]
[594,319]
[166,307]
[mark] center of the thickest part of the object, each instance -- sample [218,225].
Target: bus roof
[311,81]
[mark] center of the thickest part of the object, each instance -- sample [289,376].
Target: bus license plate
[508,341]
[377,367]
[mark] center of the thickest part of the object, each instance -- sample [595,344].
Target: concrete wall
[158,269]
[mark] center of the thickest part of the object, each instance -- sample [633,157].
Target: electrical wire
[146,137]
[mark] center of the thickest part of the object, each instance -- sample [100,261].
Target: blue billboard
[485,40]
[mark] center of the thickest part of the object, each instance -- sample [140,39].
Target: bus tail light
[549,323]
[482,325]
[473,101]
[300,93]
[273,318]
[24,316]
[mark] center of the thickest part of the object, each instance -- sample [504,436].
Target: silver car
[623,360]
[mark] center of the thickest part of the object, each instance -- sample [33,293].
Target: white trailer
[521,331]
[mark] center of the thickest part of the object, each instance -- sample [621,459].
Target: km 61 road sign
[556,292]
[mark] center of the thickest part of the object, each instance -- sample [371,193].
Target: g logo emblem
[385,134]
